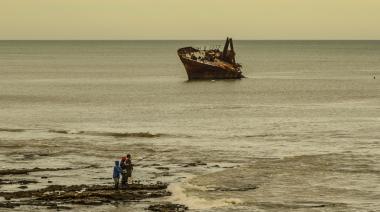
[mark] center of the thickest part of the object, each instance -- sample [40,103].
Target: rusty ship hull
[210,64]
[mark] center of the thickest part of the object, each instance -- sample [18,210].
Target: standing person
[116,174]
[124,178]
[129,166]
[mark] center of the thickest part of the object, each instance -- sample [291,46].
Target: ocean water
[303,128]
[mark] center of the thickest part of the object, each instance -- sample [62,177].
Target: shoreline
[66,197]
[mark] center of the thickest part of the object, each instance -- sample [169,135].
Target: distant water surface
[303,127]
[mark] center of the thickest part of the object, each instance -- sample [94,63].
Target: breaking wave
[100,133]
[112,134]
[11,130]
[197,203]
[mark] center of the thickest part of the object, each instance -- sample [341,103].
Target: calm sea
[303,127]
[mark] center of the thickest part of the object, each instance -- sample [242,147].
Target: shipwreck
[212,63]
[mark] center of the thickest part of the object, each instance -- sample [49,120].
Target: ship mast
[229,55]
[232,52]
[225,49]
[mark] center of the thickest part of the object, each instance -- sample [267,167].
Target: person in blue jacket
[116,174]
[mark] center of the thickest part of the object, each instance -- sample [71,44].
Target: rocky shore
[65,197]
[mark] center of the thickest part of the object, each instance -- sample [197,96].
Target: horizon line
[188,39]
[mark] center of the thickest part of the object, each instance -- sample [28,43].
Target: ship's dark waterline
[301,133]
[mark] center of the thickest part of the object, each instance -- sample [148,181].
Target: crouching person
[116,174]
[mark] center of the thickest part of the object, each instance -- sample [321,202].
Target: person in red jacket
[126,170]
[123,172]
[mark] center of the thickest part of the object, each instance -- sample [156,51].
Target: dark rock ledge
[167,207]
[16,181]
[60,196]
[27,171]
[37,169]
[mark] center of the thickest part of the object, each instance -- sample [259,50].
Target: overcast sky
[189,19]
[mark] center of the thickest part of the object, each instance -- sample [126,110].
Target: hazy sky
[189,19]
